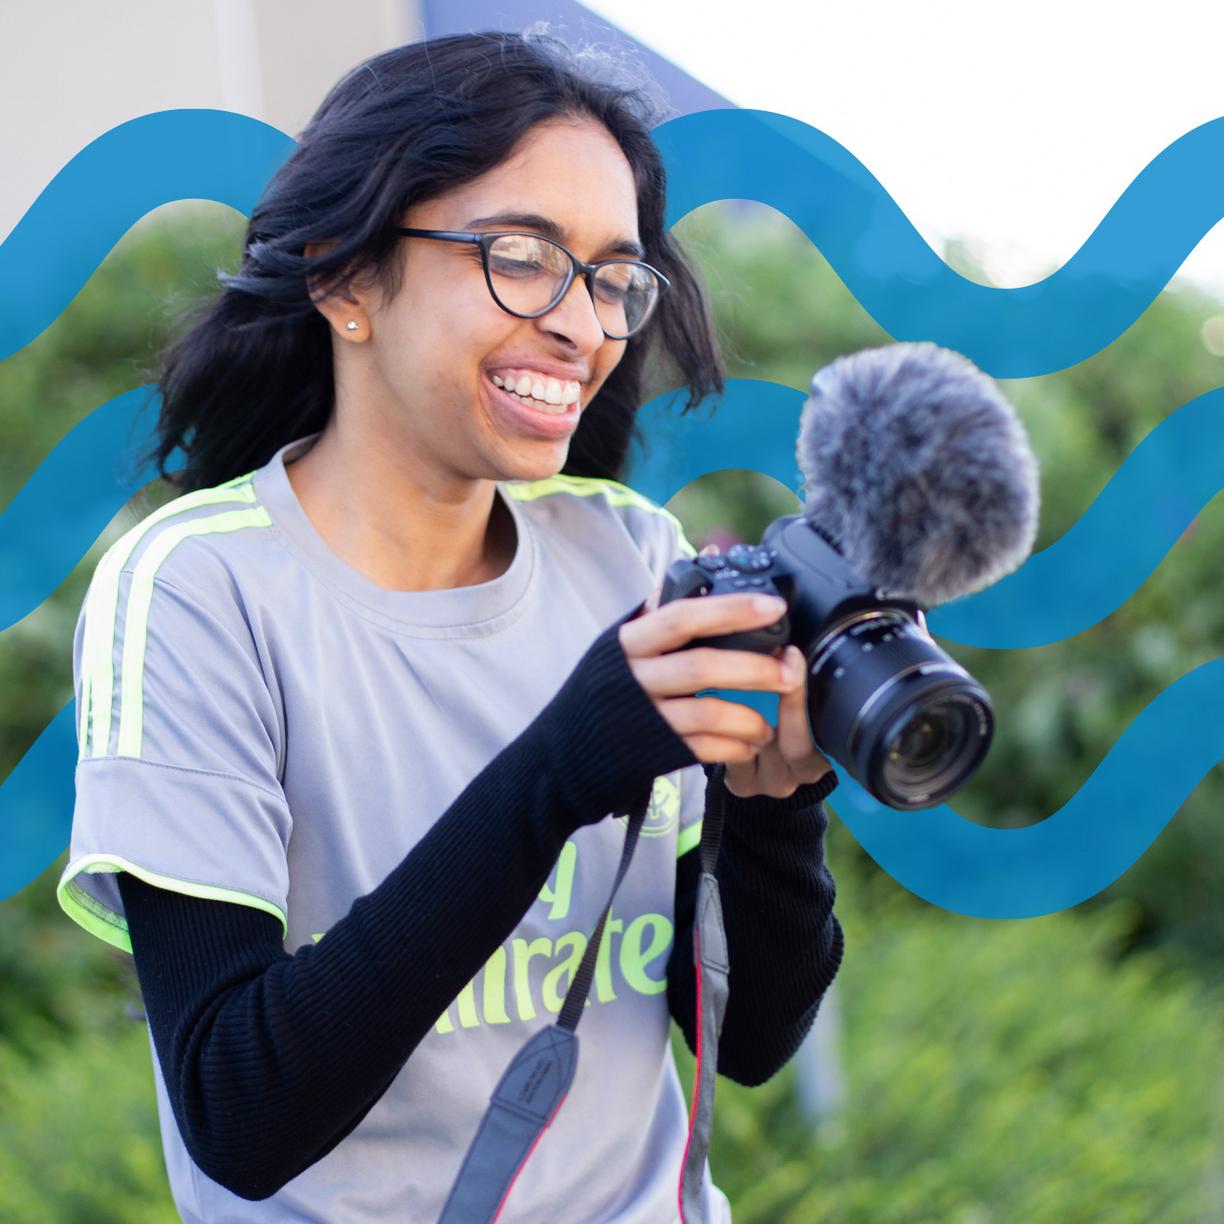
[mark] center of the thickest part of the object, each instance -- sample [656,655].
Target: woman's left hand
[790,759]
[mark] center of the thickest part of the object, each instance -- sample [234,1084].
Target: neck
[405,526]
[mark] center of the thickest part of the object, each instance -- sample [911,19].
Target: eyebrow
[550,229]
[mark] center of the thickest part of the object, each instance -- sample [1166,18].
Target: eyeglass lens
[528,274]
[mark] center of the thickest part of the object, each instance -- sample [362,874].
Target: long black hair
[253,370]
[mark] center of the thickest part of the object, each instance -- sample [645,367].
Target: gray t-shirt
[260,723]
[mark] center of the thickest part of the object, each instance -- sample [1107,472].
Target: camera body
[884,701]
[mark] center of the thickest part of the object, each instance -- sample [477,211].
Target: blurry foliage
[79,1142]
[1059,1069]
[996,1073]
[103,344]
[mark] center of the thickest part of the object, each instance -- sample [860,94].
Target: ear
[347,310]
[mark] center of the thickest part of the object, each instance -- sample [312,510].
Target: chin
[546,461]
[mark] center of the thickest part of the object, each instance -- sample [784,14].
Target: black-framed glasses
[529,274]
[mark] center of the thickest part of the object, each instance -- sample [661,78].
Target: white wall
[72,69]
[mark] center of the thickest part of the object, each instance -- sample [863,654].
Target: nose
[574,318]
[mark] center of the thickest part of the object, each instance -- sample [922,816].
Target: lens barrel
[907,720]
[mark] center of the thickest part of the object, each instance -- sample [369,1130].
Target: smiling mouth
[540,391]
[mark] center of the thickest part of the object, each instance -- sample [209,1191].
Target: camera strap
[712,966]
[534,1086]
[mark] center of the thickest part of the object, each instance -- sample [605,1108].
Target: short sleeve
[177,776]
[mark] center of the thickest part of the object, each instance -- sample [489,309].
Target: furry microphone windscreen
[918,471]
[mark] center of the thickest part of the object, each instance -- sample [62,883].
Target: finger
[652,601]
[703,667]
[794,735]
[678,622]
[717,749]
[715,716]
[795,743]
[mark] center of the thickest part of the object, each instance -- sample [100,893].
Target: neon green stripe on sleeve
[140,597]
[103,601]
[588,486]
[87,912]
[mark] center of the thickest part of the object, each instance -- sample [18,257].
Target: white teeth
[539,390]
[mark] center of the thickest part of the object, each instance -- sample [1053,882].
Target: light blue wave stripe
[906,288]
[1099,834]
[709,155]
[73,494]
[108,186]
[36,802]
[949,861]
[752,427]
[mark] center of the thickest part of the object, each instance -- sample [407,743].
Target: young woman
[354,707]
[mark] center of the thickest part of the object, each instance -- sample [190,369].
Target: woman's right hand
[714,729]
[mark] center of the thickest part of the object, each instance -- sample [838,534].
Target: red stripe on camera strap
[533,1088]
[712,968]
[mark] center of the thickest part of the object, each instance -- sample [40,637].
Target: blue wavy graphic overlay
[1080,579]
[108,186]
[1095,567]
[1096,837]
[905,286]
[36,802]
[710,155]
[74,493]
[1099,834]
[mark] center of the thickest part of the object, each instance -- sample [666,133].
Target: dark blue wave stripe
[906,288]
[1080,579]
[108,186]
[1114,547]
[74,493]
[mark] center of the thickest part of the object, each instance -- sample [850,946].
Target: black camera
[907,721]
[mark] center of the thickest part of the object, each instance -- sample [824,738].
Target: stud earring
[352,325]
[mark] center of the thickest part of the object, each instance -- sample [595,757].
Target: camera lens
[920,740]
[936,744]
[904,717]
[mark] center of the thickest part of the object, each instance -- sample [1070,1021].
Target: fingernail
[793,667]
[769,603]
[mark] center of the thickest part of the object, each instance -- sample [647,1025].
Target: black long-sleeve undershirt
[247,1033]
[784,945]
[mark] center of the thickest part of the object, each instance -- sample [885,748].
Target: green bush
[79,1142]
[996,1073]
